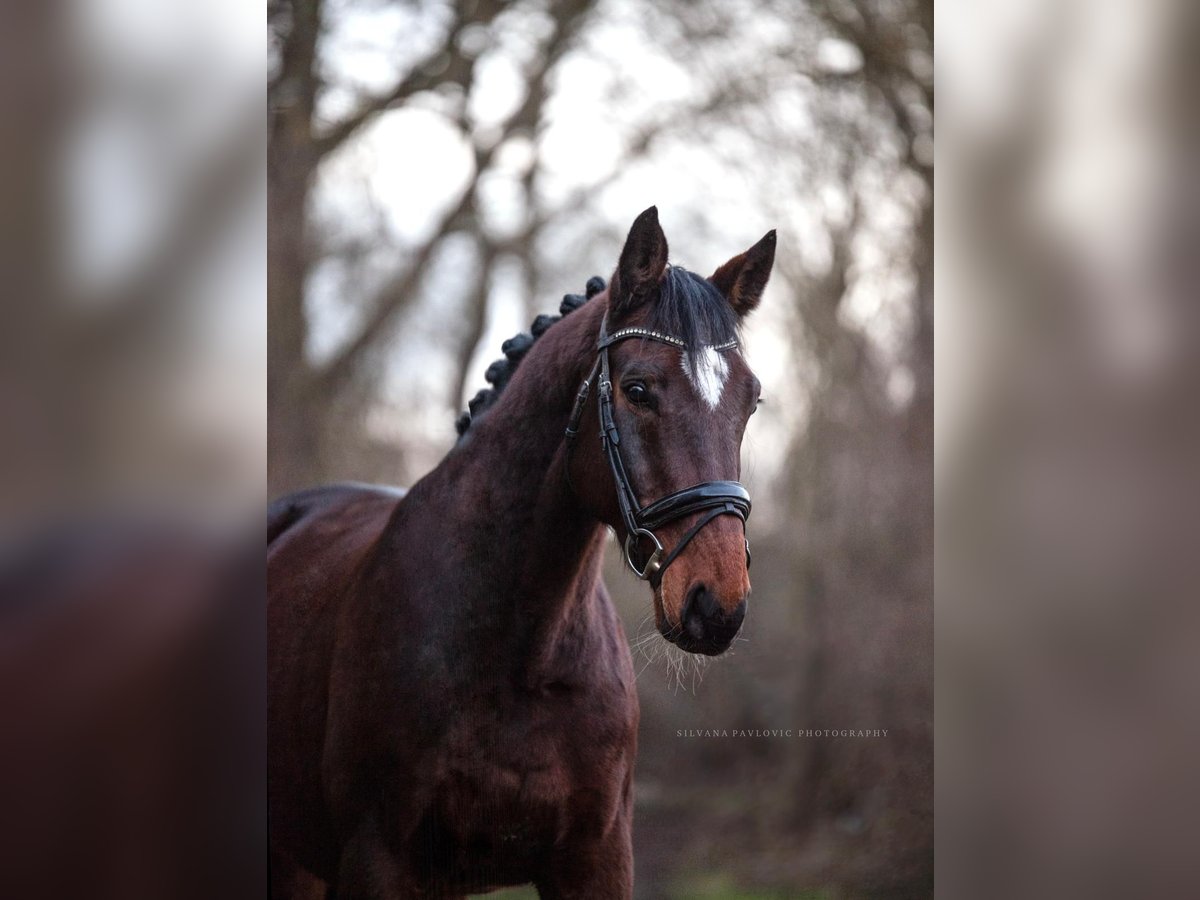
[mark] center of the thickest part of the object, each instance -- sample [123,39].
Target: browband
[648,334]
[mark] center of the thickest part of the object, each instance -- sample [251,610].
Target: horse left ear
[643,261]
[744,277]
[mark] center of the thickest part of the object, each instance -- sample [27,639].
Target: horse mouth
[703,643]
[703,625]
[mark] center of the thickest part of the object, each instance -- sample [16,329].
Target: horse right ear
[743,278]
[642,264]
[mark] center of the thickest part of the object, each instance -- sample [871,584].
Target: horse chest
[518,777]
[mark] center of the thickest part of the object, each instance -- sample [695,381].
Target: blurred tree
[863,490]
[301,393]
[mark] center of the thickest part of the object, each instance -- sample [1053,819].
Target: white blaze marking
[710,375]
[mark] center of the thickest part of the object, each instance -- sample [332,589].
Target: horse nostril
[698,607]
[709,628]
[706,603]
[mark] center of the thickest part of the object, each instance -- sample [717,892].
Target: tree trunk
[292,434]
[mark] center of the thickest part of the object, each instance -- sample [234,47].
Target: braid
[500,372]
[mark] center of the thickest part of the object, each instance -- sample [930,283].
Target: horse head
[673,395]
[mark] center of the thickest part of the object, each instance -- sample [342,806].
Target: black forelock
[692,309]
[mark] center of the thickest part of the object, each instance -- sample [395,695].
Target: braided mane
[514,349]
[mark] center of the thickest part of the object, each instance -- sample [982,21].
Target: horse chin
[685,641]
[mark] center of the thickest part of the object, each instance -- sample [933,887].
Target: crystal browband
[656,336]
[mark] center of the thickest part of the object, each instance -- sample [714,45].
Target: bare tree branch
[476,318]
[885,51]
[448,64]
[400,291]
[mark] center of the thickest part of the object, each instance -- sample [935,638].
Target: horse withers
[452,703]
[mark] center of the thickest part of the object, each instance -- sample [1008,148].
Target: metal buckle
[653,564]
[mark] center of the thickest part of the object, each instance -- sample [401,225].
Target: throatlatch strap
[580,401]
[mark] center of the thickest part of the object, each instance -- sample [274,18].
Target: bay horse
[452,703]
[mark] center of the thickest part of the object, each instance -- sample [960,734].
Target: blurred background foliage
[439,173]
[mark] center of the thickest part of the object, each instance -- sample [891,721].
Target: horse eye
[637,393]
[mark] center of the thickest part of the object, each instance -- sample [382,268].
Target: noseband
[715,498]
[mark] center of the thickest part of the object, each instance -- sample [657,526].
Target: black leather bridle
[715,498]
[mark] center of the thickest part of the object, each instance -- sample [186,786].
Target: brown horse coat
[452,699]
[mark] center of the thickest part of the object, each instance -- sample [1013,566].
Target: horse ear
[643,261]
[744,277]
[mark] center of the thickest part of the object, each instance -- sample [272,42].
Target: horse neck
[537,552]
